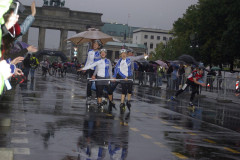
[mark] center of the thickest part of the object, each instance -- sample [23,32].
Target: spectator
[151,75]
[34,64]
[160,74]
[181,72]
[140,73]
[169,71]
[174,78]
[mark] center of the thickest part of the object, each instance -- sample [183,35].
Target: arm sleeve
[96,71]
[110,69]
[27,24]
[90,66]
[115,71]
[135,58]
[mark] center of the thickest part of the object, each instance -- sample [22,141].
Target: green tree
[214,26]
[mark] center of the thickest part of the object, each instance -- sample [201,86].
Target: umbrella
[215,68]
[161,63]
[143,62]
[88,36]
[154,63]
[188,59]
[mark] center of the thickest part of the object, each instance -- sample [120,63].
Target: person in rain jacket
[5,71]
[124,68]
[92,56]
[103,71]
[19,29]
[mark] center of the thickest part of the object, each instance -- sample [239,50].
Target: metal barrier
[227,90]
[222,88]
[156,80]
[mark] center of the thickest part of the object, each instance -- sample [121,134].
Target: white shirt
[124,67]
[90,59]
[101,65]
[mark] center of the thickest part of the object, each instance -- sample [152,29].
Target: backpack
[33,62]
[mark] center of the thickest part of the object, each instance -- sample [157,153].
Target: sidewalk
[208,94]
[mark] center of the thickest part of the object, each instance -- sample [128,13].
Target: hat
[103,50]
[123,51]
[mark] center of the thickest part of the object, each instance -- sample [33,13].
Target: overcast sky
[143,13]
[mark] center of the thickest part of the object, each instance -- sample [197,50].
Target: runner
[192,81]
[103,71]
[60,69]
[124,70]
[45,66]
[54,68]
[92,56]
[65,67]
[34,64]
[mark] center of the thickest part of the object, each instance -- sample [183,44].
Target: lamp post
[75,53]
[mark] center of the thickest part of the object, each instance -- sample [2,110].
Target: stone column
[116,54]
[41,38]
[113,56]
[25,37]
[63,42]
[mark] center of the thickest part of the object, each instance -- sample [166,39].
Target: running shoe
[112,105]
[100,106]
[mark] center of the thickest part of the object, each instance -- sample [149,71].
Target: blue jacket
[118,70]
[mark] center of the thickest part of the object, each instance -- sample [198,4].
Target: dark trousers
[89,85]
[100,88]
[185,86]
[112,87]
[126,87]
[26,72]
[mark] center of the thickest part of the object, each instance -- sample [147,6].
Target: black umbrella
[152,62]
[143,62]
[188,59]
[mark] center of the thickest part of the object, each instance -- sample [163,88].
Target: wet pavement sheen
[51,121]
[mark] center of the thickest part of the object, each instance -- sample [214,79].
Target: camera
[17,7]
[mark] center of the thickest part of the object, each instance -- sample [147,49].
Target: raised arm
[95,72]
[90,66]
[135,58]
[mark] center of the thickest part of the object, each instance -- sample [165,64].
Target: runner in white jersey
[93,55]
[103,71]
[124,69]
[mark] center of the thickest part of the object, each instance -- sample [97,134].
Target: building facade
[121,32]
[151,37]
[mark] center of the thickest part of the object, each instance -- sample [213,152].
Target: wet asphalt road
[51,121]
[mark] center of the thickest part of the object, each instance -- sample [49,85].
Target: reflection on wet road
[51,121]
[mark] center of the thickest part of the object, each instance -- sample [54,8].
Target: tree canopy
[209,31]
